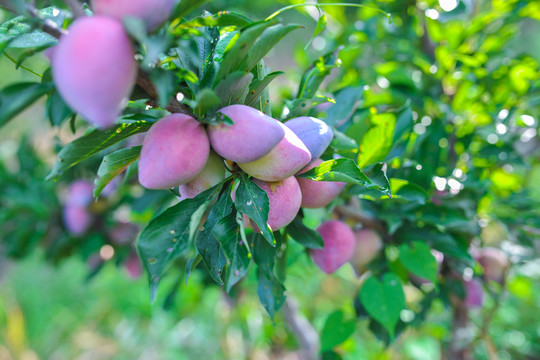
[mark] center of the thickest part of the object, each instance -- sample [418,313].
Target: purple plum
[94,69]
[339,244]
[174,152]
[252,136]
[317,194]
[152,12]
[314,133]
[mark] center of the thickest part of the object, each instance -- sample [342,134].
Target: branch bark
[305,333]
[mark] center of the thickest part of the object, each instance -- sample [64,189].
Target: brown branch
[304,331]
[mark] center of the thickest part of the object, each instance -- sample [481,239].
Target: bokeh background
[63,297]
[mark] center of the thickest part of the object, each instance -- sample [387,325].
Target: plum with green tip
[339,244]
[286,159]
[174,152]
[212,174]
[252,136]
[152,12]
[94,69]
[285,198]
[314,133]
[317,194]
[368,245]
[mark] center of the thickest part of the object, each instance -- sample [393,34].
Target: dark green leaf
[234,88]
[92,143]
[336,330]
[264,255]
[383,300]
[271,293]
[315,75]
[346,103]
[343,142]
[168,235]
[205,100]
[253,201]
[257,86]
[227,232]
[321,25]
[419,260]
[208,245]
[304,235]
[165,82]
[112,165]
[57,109]
[15,98]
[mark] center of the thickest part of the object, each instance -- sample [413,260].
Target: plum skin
[252,136]
[174,152]
[317,194]
[212,174]
[285,198]
[339,244]
[284,160]
[368,244]
[94,69]
[314,133]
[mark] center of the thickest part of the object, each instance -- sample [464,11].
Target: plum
[494,261]
[174,152]
[133,265]
[80,193]
[124,233]
[251,137]
[94,69]
[314,133]
[212,174]
[339,244]
[284,160]
[152,12]
[77,219]
[474,293]
[285,198]
[317,194]
[368,245]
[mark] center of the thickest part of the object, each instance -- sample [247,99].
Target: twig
[300,326]
[75,7]
[47,25]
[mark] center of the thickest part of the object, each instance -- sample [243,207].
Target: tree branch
[300,326]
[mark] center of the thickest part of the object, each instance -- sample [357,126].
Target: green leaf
[378,141]
[167,236]
[344,170]
[264,255]
[271,293]
[19,32]
[268,39]
[205,100]
[234,57]
[321,25]
[187,6]
[253,201]
[92,143]
[419,260]
[315,75]
[234,88]
[57,109]
[404,124]
[17,97]
[257,86]
[165,82]
[343,142]
[304,235]
[227,232]
[208,245]
[113,164]
[346,103]
[383,300]
[336,330]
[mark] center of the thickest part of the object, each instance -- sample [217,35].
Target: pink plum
[314,133]
[77,219]
[212,174]
[152,12]
[339,244]
[286,159]
[474,293]
[285,198]
[174,152]
[368,245]
[133,265]
[80,193]
[94,69]
[317,194]
[251,137]
[124,233]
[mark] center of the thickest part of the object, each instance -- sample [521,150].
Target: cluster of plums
[179,151]
[94,66]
